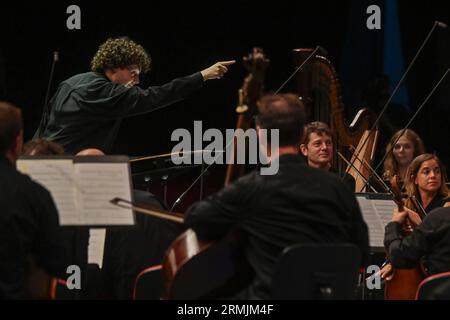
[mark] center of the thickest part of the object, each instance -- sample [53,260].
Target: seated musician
[430,240]
[42,147]
[273,212]
[29,228]
[130,250]
[408,147]
[426,190]
[318,148]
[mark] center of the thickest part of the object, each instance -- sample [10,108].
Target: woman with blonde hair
[404,146]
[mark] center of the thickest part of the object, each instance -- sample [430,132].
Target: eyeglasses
[134,71]
[135,74]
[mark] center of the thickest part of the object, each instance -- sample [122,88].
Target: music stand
[377,209]
[82,188]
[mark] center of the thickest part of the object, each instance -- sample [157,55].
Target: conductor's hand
[217,70]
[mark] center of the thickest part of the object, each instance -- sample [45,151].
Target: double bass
[249,94]
[404,282]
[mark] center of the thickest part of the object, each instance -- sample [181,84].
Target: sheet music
[82,188]
[96,247]
[57,176]
[99,183]
[377,213]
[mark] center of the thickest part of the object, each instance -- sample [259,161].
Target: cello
[404,282]
[194,268]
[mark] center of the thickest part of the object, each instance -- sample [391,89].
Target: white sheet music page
[96,247]
[100,182]
[57,176]
[377,214]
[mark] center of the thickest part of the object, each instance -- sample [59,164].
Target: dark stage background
[186,36]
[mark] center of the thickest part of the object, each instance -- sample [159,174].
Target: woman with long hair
[425,187]
[400,155]
[426,190]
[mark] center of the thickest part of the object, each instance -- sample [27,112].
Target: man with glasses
[87,109]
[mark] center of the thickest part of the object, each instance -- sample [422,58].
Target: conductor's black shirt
[87,109]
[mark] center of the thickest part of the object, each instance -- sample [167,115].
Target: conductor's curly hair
[120,53]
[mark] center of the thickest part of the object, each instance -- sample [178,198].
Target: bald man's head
[91,152]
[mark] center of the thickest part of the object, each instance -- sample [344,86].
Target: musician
[130,250]
[87,109]
[28,217]
[318,148]
[91,152]
[42,147]
[425,182]
[400,155]
[431,239]
[297,205]
[426,190]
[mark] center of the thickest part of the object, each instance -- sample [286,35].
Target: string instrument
[39,284]
[250,92]
[318,86]
[197,269]
[404,282]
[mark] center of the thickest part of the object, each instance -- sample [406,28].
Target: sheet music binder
[377,209]
[83,186]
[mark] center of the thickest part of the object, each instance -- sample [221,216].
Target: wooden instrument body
[404,282]
[196,269]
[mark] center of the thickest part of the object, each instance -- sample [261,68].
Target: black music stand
[377,209]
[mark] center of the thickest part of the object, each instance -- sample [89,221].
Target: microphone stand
[50,80]
[200,176]
[46,108]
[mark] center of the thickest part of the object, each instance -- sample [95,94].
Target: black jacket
[28,229]
[297,205]
[87,109]
[431,239]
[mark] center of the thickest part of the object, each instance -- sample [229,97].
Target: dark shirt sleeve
[406,252]
[214,217]
[116,101]
[350,182]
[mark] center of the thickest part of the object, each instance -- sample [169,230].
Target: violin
[404,282]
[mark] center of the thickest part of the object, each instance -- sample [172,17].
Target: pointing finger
[227,63]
